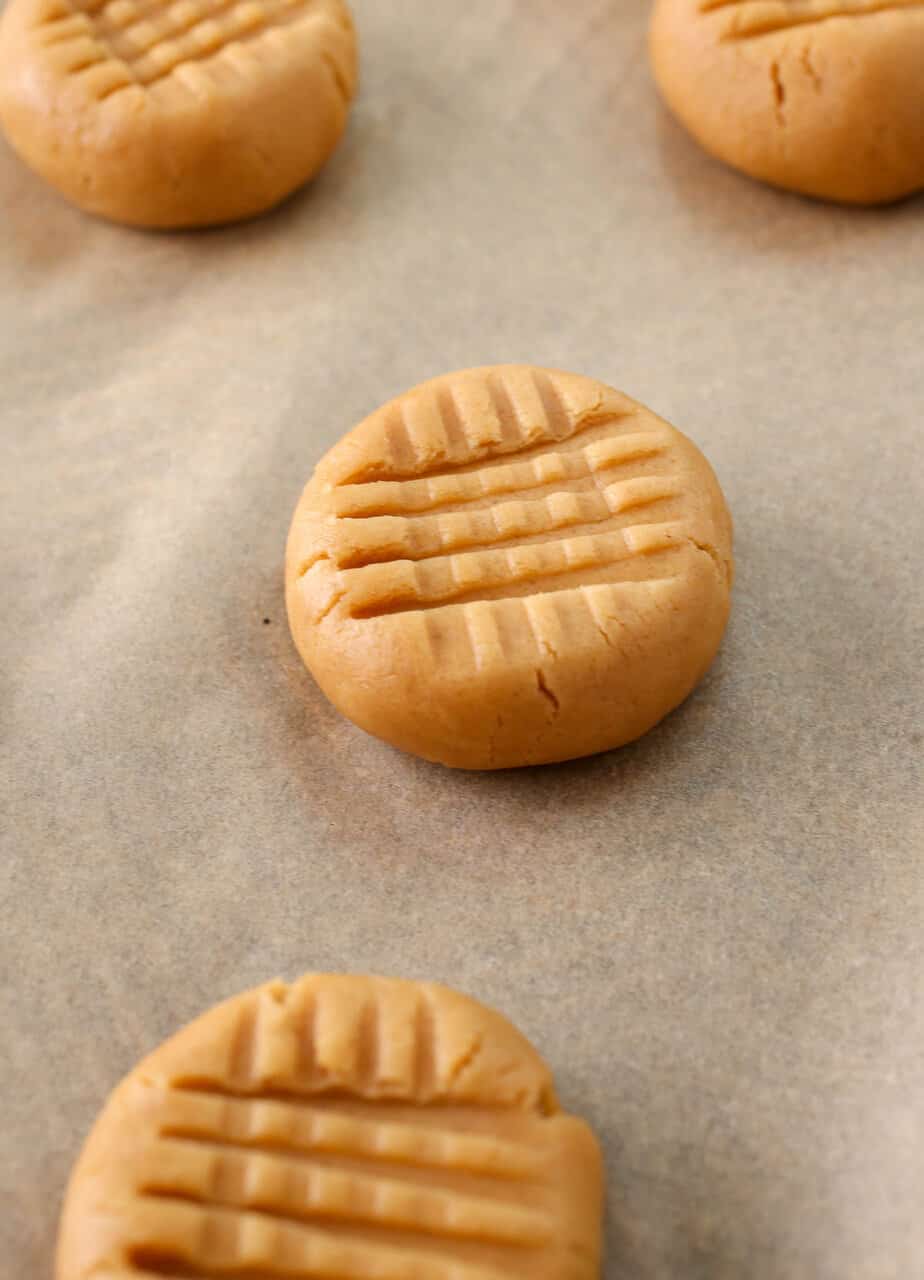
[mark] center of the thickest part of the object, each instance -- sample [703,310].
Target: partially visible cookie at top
[339,1128]
[176,113]
[509,566]
[822,97]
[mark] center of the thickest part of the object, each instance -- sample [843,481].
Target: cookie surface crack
[808,67]
[467,1060]
[779,92]
[546,692]
[722,566]
[332,603]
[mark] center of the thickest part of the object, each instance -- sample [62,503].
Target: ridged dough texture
[509,566]
[176,114]
[822,97]
[342,1128]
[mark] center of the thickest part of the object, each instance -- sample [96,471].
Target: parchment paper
[715,936]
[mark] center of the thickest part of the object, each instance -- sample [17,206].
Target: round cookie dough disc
[509,566]
[823,97]
[348,1127]
[176,114]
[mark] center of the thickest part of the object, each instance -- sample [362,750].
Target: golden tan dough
[176,114]
[509,566]
[341,1128]
[823,97]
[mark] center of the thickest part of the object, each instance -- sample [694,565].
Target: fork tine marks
[750,19]
[404,585]
[499,478]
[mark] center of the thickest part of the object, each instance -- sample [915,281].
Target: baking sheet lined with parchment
[715,936]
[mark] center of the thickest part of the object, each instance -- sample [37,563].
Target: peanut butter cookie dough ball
[341,1126]
[822,97]
[176,114]
[509,566]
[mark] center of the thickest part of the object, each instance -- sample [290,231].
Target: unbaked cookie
[823,97]
[342,1128]
[176,114]
[509,566]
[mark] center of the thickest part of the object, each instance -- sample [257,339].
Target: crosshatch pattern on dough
[503,521]
[140,42]
[330,1133]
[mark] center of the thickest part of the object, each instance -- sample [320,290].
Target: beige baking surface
[715,937]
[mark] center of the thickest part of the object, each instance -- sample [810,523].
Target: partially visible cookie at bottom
[181,114]
[510,566]
[821,97]
[339,1128]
